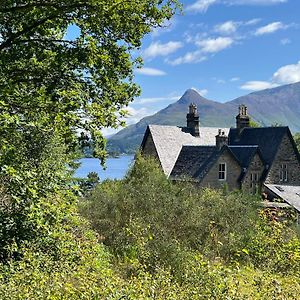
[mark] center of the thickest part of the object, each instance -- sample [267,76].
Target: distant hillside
[279,105]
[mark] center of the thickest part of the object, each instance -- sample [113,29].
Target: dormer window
[222,171]
[283,173]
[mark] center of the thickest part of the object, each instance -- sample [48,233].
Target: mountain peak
[191,95]
[191,91]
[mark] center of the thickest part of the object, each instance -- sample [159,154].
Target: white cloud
[270,28]
[228,27]
[287,74]
[257,85]
[150,72]
[188,58]
[201,5]
[155,100]
[233,79]
[252,22]
[166,27]
[158,49]
[284,75]
[255,2]
[202,92]
[212,45]
[285,41]
[136,115]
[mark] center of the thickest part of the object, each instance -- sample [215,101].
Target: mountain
[279,105]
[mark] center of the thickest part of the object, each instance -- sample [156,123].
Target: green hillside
[279,105]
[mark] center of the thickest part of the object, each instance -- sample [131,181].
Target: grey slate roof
[170,139]
[244,154]
[268,140]
[288,193]
[190,159]
[196,161]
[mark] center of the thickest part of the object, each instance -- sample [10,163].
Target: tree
[69,84]
[51,88]
[297,140]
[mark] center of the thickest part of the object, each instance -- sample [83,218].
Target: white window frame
[221,172]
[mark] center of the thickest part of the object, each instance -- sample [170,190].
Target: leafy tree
[297,140]
[88,184]
[54,81]
[254,123]
[53,86]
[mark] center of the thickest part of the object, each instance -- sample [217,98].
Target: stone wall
[233,172]
[256,166]
[285,155]
[149,147]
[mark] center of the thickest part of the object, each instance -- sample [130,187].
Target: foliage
[148,218]
[52,86]
[254,124]
[297,140]
[69,82]
[88,184]
[163,241]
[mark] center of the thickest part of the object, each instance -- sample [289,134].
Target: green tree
[79,83]
[52,87]
[297,140]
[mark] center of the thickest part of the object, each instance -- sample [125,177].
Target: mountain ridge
[280,105]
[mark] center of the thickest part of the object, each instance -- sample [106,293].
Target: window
[283,173]
[222,171]
[254,182]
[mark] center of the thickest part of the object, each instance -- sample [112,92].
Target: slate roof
[288,193]
[244,154]
[196,161]
[169,140]
[268,140]
[190,160]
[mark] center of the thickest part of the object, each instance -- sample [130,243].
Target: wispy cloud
[159,49]
[205,47]
[254,2]
[285,41]
[190,57]
[213,45]
[201,6]
[168,26]
[202,92]
[228,27]
[156,100]
[150,72]
[284,75]
[257,85]
[270,28]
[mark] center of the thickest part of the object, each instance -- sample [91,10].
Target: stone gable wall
[285,155]
[256,166]
[149,147]
[233,172]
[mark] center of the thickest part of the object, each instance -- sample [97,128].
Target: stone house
[244,157]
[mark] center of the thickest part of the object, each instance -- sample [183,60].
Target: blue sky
[222,48]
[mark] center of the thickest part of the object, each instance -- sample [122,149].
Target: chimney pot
[242,119]
[193,122]
[221,139]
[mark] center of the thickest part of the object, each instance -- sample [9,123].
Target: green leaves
[81,82]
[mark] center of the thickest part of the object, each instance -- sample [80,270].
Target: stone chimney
[193,120]
[242,119]
[221,139]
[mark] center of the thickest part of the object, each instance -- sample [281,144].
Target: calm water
[116,167]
